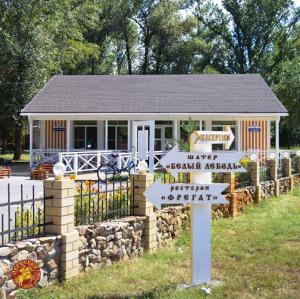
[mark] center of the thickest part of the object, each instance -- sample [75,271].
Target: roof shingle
[247,93]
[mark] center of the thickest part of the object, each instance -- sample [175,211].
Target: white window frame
[125,125]
[85,126]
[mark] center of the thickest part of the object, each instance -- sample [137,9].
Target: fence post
[229,178]
[143,207]
[254,169]
[287,170]
[75,164]
[233,205]
[273,167]
[60,211]
[298,163]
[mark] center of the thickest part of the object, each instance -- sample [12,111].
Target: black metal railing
[264,172]
[294,163]
[96,201]
[280,169]
[243,179]
[22,219]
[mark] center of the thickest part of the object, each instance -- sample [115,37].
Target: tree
[25,52]
[249,30]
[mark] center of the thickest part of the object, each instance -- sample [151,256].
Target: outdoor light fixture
[272,156]
[142,167]
[59,170]
[253,157]
[298,153]
[286,155]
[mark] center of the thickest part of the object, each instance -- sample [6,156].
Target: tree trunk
[129,62]
[146,45]
[3,149]
[18,141]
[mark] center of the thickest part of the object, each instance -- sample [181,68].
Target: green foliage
[93,206]
[188,128]
[41,38]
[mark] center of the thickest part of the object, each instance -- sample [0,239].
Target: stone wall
[45,251]
[284,185]
[267,189]
[104,243]
[296,179]
[244,197]
[221,211]
[170,221]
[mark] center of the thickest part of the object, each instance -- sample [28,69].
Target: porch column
[106,135]
[68,135]
[175,131]
[238,135]
[30,142]
[42,134]
[129,135]
[151,143]
[277,138]
[208,125]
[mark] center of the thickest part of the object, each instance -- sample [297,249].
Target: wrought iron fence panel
[23,219]
[96,201]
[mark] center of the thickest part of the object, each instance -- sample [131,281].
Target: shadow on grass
[152,294]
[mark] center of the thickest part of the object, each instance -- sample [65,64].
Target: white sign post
[200,194]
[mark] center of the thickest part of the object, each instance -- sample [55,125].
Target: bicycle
[107,171]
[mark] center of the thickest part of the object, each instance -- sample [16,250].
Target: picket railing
[84,161]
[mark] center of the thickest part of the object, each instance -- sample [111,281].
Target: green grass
[9,156]
[256,256]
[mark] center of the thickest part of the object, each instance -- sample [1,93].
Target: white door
[144,126]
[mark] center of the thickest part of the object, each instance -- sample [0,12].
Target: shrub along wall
[44,251]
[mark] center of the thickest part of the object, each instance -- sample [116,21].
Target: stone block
[62,194]
[57,229]
[55,211]
[68,256]
[65,202]
[63,184]
[70,237]
[63,220]
[68,274]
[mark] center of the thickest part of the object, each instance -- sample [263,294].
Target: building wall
[254,140]
[249,140]
[55,139]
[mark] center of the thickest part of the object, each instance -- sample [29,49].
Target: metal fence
[293,157]
[243,179]
[22,219]
[98,202]
[167,178]
[264,171]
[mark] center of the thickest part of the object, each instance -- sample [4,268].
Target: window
[224,126]
[163,135]
[85,135]
[117,135]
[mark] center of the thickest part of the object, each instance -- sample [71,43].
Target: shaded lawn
[256,255]
[9,156]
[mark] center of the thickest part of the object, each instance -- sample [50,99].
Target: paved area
[12,187]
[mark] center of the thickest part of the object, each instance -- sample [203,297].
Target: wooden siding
[55,139]
[254,140]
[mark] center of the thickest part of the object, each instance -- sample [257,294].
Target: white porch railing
[84,161]
[77,162]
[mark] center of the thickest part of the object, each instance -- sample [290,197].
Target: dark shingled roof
[247,93]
